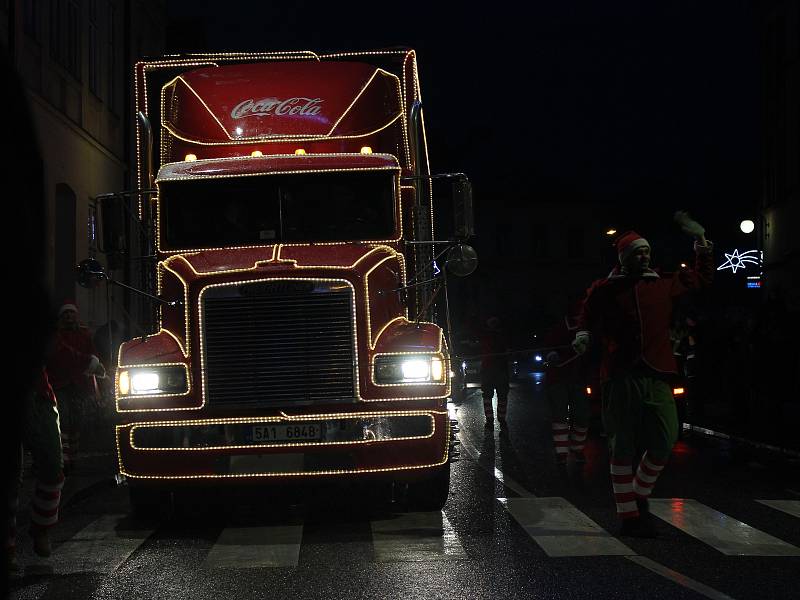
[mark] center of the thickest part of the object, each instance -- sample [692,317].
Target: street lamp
[611,232]
[747,226]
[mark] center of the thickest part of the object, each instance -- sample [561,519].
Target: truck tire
[149,503]
[430,494]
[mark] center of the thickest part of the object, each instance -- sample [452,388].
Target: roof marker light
[366,150]
[256,153]
[300,151]
[190,157]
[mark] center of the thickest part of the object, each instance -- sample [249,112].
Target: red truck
[296,282]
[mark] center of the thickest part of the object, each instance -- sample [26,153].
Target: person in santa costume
[71,365]
[628,314]
[37,433]
[565,388]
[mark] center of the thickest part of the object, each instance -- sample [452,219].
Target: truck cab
[297,332]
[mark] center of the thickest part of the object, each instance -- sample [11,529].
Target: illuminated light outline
[284,419]
[398,199]
[396,166]
[416,93]
[140,84]
[280,137]
[276,259]
[370,341]
[204,289]
[409,55]
[202,60]
[186,314]
[276,256]
[277,140]
[445,369]
[328,472]
[744,259]
[132,397]
[145,67]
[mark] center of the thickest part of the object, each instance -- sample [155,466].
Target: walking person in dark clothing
[494,371]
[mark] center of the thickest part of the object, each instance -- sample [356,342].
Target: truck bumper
[404,444]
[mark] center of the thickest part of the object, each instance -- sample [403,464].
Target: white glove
[581,342]
[95,368]
[690,226]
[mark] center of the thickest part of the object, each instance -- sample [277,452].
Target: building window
[94,50]
[539,244]
[56,30]
[73,57]
[112,58]
[31,19]
[575,243]
[65,35]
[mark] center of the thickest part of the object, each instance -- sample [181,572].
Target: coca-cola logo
[274,106]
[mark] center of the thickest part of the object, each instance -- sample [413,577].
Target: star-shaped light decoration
[739,261]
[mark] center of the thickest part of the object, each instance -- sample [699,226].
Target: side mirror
[464,224]
[89,273]
[461,260]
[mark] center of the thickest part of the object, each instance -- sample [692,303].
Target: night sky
[644,106]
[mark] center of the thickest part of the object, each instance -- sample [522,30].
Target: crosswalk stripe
[790,507]
[100,547]
[256,547]
[415,536]
[560,529]
[718,530]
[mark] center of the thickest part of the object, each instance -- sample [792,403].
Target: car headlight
[151,381]
[409,369]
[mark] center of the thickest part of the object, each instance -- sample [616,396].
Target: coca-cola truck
[294,279]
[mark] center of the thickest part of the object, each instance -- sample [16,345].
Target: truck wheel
[430,494]
[148,503]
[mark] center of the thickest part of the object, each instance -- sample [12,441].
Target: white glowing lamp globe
[747,226]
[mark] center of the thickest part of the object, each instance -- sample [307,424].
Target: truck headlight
[409,369]
[151,381]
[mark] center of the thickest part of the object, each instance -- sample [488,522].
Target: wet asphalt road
[332,546]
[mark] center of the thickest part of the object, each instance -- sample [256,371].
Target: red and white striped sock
[646,475]
[622,482]
[44,507]
[578,438]
[561,439]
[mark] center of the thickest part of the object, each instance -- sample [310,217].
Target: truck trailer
[298,333]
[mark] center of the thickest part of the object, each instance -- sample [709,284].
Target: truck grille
[285,342]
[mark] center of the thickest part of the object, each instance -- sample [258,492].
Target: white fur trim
[628,250]
[66,307]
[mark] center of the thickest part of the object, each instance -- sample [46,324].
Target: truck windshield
[266,209]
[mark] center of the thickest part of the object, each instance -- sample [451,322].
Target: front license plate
[286,432]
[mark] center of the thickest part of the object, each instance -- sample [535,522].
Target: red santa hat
[627,243]
[67,305]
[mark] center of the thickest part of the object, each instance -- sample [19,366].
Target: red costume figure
[39,435]
[70,365]
[565,388]
[628,314]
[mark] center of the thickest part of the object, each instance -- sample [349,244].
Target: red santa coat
[70,357]
[630,317]
[569,367]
